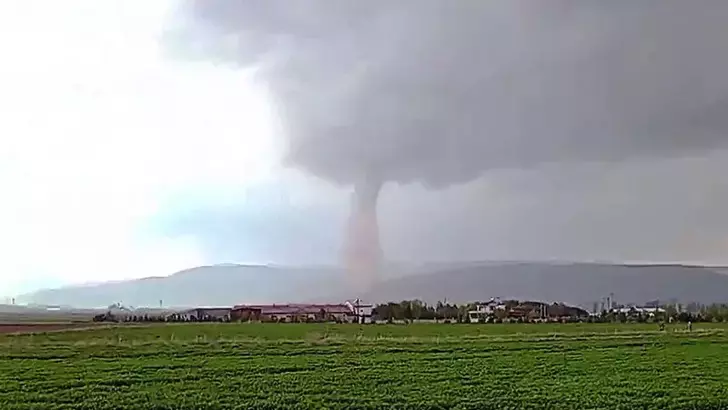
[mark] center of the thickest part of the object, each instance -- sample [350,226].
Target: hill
[577,283]
[218,285]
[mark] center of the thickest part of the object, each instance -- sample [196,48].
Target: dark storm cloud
[657,210]
[440,91]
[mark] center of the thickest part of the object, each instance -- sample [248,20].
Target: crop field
[423,366]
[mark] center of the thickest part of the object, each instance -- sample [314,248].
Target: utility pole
[358,312]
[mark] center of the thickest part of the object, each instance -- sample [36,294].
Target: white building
[483,311]
[651,311]
[362,311]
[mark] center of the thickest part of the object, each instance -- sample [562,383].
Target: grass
[424,366]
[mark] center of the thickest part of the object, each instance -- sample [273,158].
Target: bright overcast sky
[97,130]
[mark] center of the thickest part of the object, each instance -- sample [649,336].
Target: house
[483,311]
[293,313]
[511,310]
[362,311]
[265,313]
[522,312]
[639,311]
[340,313]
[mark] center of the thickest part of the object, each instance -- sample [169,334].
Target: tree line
[411,310]
[511,310]
[694,312]
[419,310]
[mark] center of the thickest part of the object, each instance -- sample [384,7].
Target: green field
[424,366]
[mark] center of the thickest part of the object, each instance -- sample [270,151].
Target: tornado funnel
[363,252]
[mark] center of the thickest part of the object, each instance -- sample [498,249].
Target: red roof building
[292,312]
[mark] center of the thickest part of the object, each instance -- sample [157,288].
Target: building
[639,310]
[362,311]
[513,310]
[293,313]
[484,311]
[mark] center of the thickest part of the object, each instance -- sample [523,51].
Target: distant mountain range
[575,283]
[218,285]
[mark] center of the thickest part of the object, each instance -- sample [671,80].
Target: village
[356,311]
[347,312]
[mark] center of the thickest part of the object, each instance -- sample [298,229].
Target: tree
[463,312]
[406,307]
[416,307]
[684,317]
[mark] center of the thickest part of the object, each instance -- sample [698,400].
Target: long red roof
[296,308]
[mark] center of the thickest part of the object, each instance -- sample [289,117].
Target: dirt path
[38,327]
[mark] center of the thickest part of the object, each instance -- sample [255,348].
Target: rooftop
[296,308]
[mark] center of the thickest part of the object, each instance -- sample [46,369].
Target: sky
[98,133]
[118,161]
